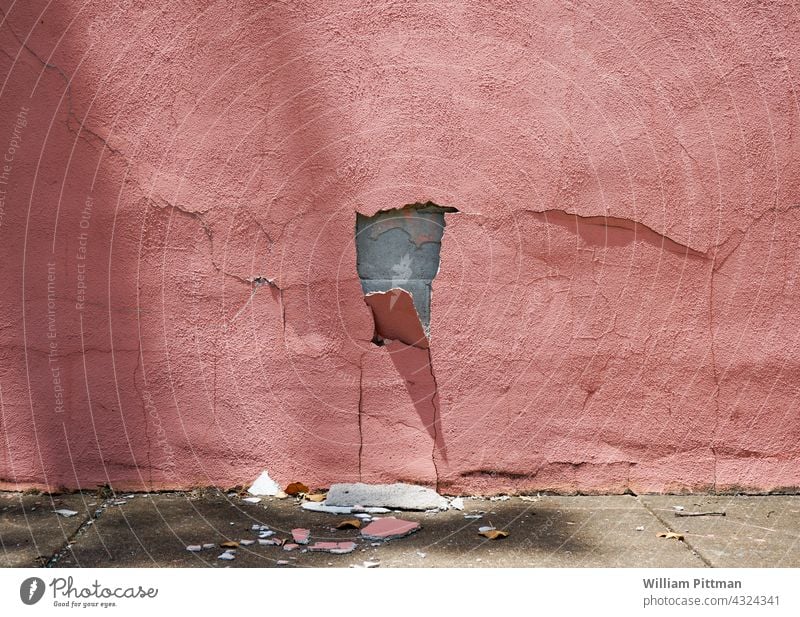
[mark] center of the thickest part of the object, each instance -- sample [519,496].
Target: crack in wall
[583,226]
[360,418]
[436,419]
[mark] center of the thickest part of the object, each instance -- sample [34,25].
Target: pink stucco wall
[617,304]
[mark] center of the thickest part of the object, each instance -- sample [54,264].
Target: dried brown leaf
[494,534]
[350,523]
[295,488]
[316,497]
[670,535]
[229,544]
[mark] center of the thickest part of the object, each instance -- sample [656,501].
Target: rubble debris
[494,534]
[290,546]
[300,535]
[485,528]
[678,508]
[350,523]
[255,527]
[246,542]
[699,513]
[473,516]
[227,556]
[270,542]
[337,548]
[324,507]
[264,485]
[528,498]
[372,564]
[396,496]
[281,562]
[266,533]
[194,548]
[363,516]
[66,513]
[457,503]
[281,495]
[499,498]
[316,497]
[640,528]
[251,499]
[208,546]
[295,488]
[389,528]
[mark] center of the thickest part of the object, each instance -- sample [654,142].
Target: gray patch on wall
[400,249]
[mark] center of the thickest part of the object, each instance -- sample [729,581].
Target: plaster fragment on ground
[264,485]
[208,546]
[194,548]
[290,546]
[246,542]
[252,499]
[281,562]
[66,513]
[372,564]
[325,507]
[640,528]
[485,528]
[389,528]
[678,508]
[227,556]
[457,503]
[473,516]
[337,548]
[300,535]
[270,541]
[499,498]
[395,496]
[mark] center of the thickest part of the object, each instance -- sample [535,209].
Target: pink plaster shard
[396,319]
[337,548]
[389,528]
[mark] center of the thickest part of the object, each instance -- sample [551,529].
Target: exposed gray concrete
[755,531]
[400,496]
[30,530]
[399,249]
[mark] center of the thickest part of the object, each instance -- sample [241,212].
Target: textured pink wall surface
[617,303]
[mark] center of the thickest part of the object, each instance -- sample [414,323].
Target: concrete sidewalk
[151,530]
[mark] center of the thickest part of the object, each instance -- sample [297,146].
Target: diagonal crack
[582,225]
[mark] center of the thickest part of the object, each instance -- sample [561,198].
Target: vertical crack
[714,372]
[360,412]
[435,405]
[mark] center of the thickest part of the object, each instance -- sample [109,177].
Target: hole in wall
[397,260]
